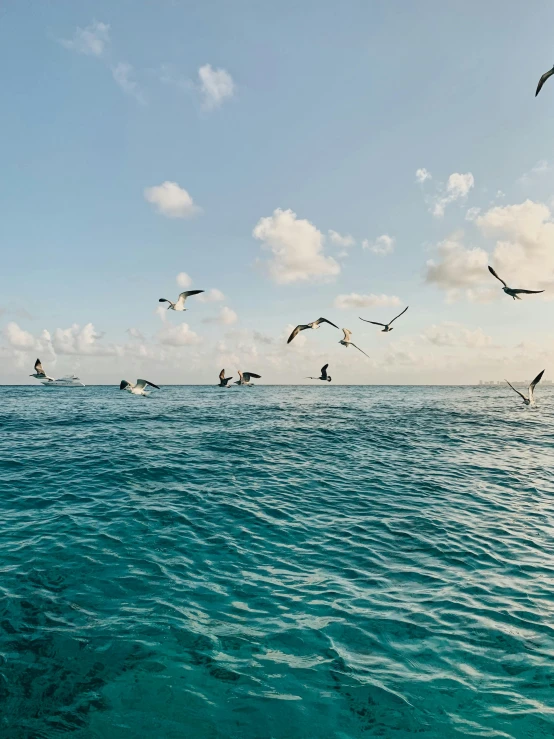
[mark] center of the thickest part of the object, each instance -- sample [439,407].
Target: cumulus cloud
[226,317]
[183,280]
[180,335]
[123,74]
[472,213]
[457,267]
[296,246]
[422,175]
[91,40]
[81,341]
[382,245]
[339,240]
[17,337]
[216,85]
[134,333]
[354,300]
[211,296]
[171,200]
[457,188]
[454,334]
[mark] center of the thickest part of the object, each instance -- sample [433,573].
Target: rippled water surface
[276,562]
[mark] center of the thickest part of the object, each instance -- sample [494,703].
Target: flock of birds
[140,387]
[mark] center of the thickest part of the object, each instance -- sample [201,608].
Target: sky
[293,161]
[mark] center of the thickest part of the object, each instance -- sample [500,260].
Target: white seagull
[304,326]
[531,399]
[346,341]
[224,380]
[512,291]
[39,373]
[180,304]
[244,378]
[543,79]
[386,325]
[139,388]
[324,375]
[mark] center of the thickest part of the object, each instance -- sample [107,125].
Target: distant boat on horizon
[67,381]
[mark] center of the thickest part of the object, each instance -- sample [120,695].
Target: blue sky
[326,110]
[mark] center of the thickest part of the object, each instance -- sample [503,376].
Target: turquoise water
[276,562]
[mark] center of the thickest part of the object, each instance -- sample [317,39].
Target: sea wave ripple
[276,562]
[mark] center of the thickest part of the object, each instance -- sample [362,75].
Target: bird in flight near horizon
[387,326]
[244,378]
[346,341]
[39,373]
[224,380]
[512,291]
[180,303]
[531,399]
[304,326]
[138,388]
[543,79]
[324,375]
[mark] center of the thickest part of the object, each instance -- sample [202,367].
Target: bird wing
[226,379]
[164,300]
[143,383]
[325,320]
[248,375]
[38,367]
[324,370]
[188,293]
[528,292]
[222,374]
[493,273]
[400,314]
[360,350]
[347,334]
[534,383]
[516,391]
[543,79]
[373,322]
[296,331]
[123,385]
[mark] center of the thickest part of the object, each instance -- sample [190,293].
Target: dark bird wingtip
[161,300]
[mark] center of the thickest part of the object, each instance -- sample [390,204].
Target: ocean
[276,563]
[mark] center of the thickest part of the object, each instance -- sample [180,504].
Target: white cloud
[226,317]
[134,333]
[422,175]
[383,245]
[296,246]
[81,341]
[472,214]
[17,337]
[123,75]
[364,301]
[216,86]
[457,188]
[183,280]
[180,335]
[454,334]
[540,168]
[171,200]
[524,252]
[91,40]
[339,240]
[457,268]
[211,296]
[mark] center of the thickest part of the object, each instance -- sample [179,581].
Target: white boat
[67,381]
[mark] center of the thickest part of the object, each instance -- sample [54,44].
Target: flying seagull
[244,378]
[324,375]
[180,304]
[543,79]
[224,380]
[139,388]
[514,292]
[304,326]
[39,373]
[531,399]
[387,326]
[346,341]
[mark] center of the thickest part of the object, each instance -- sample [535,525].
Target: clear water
[276,562]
